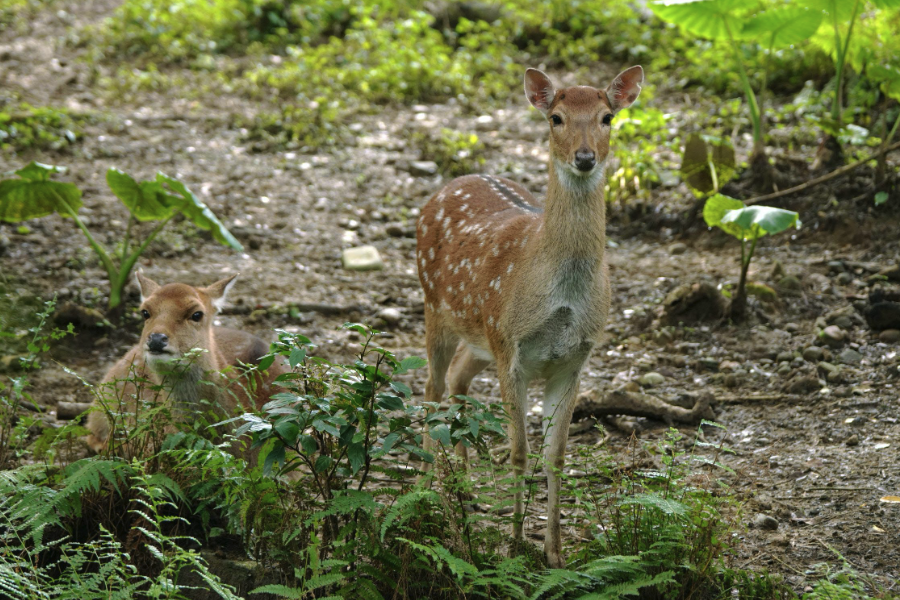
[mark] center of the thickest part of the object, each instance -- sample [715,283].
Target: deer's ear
[146,285]
[219,290]
[539,90]
[625,88]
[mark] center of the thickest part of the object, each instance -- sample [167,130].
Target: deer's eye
[145,313]
[556,119]
[607,118]
[197,316]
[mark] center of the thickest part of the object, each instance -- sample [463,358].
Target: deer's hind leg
[463,368]
[440,344]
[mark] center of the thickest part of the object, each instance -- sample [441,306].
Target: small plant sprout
[33,194]
[747,224]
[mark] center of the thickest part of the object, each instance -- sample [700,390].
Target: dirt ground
[814,454]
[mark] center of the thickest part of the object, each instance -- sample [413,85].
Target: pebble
[890,336]
[362,258]
[423,167]
[849,356]
[836,266]
[833,335]
[729,366]
[791,327]
[784,368]
[395,229]
[812,354]
[786,356]
[853,440]
[651,379]
[731,380]
[391,316]
[790,283]
[677,248]
[763,521]
[844,322]
[845,278]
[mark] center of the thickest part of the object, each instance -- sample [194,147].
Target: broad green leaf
[782,27]
[309,444]
[409,364]
[881,198]
[35,171]
[761,220]
[390,402]
[323,463]
[34,195]
[357,455]
[704,18]
[297,356]
[274,457]
[401,388]
[843,9]
[288,430]
[716,208]
[145,200]
[441,434]
[197,212]
[886,4]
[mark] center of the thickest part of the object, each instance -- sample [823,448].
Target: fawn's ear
[146,285]
[539,90]
[219,290]
[625,88]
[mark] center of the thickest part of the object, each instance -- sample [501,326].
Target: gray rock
[677,248]
[791,327]
[423,167]
[844,322]
[890,336]
[834,335]
[790,283]
[849,356]
[853,440]
[784,368]
[391,316]
[763,521]
[836,266]
[883,315]
[845,278]
[363,258]
[651,379]
[395,229]
[812,354]
[827,367]
[786,356]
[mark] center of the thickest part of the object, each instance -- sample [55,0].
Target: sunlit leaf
[715,209]
[881,198]
[34,195]
[705,18]
[184,201]
[145,200]
[782,27]
[761,220]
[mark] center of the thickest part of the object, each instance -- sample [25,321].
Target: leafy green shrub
[33,194]
[747,224]
[25,127]
[310,126]
[638,134]
[455,152]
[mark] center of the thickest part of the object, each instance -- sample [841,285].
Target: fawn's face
[177,318]
[580,117]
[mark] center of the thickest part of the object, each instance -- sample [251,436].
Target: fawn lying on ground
[177,319]
[528,288]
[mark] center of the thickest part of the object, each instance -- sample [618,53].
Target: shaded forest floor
[814,454]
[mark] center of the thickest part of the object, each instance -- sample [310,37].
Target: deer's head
[178,317]
[580,117]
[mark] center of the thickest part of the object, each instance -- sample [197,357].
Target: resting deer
[177,319]
[528,288]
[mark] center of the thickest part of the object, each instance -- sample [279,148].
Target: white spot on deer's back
[458,192]
[509,268]
[440,214]
[431,254]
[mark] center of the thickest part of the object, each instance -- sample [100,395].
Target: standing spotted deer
[505,281]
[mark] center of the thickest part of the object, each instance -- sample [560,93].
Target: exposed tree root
[624,402]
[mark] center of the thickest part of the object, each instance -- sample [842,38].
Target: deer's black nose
[585,160]
[157,342]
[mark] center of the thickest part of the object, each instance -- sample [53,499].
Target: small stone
[786,356]
[845,278]
[791,327]
[833,335]
[677,248]
[729,366]
[363,258]
[395,229]
[853,440]
[790,283]
[836,376]
[812,354]
[890,336]
[423,167]
[710,364]
[391,316]
[844,322]
[836,266]
[484,123]
[827,367]
[849,356]
[784,368]
[763,521]
[731,380]
[651,379]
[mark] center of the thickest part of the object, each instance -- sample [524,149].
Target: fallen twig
[828,177]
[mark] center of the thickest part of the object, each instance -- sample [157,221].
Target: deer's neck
[574,216]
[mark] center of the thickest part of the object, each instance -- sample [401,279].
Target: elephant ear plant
[33,194]
[747,224]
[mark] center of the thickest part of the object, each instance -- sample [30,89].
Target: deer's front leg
[514,392]
[560,392]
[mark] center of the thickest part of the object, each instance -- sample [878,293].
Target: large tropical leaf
[185,202]
[145,200]
[886,4]
[34,195]
[757,221]
[842,9]
[782,27]
[704,18]
[716,208]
